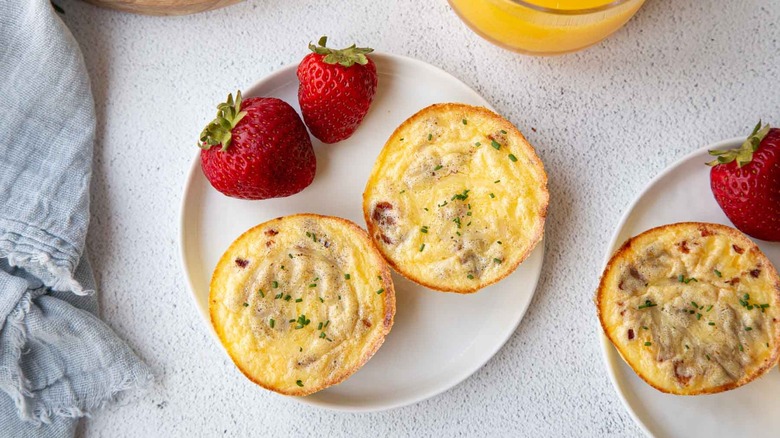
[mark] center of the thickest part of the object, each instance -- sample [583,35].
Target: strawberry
[335,89]
[266,151]
[746,183]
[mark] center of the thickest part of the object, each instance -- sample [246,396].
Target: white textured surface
[681,75]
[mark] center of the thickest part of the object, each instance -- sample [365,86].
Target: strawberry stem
[219,130]
[744,153]
[346,57]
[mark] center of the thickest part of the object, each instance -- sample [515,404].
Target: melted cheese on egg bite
[693,308]
[301,302]
[457,198]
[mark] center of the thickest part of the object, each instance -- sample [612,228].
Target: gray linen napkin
[58,360]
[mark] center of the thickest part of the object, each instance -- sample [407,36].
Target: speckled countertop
[680,75]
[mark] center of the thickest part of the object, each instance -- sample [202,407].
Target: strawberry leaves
[744,154]
[219,130]
[346,57]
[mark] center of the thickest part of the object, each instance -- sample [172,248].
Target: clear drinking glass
[545,27]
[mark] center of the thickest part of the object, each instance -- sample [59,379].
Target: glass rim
[584,11]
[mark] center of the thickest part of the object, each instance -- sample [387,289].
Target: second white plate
[682,194]
[438,339]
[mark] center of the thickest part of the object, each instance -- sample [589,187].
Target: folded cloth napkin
[58,360]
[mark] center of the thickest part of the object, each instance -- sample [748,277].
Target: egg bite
[693,308]
[457,198]
[301,302]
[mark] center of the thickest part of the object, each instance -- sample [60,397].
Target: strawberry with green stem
[257,148]
[746,183]
[336,88]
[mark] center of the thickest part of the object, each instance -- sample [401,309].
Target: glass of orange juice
[545,27]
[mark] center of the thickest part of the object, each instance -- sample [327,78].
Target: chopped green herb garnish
[687,347]
[740,348]
[262,295]
[747,329]
[425,208]
[698,316]
[499,242]
[321,300]
[464,121]
[274,284]
[346,276]
[711,323]
[279,295]
[718,273]
[457,221]
[299,383]
[313,285]
[468,213]
[682,279]
[326,323]
[329,339]
[319,326]
[422,247]
[430,136]
[322,335]
[477,144]
[302,321]
[495,144]
[442,204]
[289,255]
[246,304]
[299,300]
[461,196]
[708,356]
[313,237]
[647,303]
[402,139]
[503,132]
[287,298]
[272,323]
[497,260]
[438,167]
[496,181]
[379,292]
[513,158]
[647,344]
[492,195]
[693,303]
[470,277]
[709,307]
[644,327]
[746,297]
[424,229]
[402,191]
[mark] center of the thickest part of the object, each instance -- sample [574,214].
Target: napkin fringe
[43,414]
[14,324]
[58,278]
[32,409]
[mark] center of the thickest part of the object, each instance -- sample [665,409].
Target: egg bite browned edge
[535,235]
[389,301]
[707,228]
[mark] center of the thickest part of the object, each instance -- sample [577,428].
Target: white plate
[682,193]
[438,339]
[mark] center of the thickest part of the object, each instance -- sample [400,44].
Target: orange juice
[545,27]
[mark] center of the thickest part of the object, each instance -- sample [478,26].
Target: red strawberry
[266,151]
[336,88]
[746,183]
